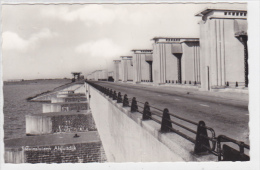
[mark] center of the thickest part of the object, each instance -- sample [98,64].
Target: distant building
[90,76]
[99,75]
[223,41]
[142,65]
[117,70]
[176,60]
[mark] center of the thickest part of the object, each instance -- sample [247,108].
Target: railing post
[166,124]
[134,106]
[201,139]
[114,96]
[146,112]
[125,101]
[111,93]
[219,150]
[119,98]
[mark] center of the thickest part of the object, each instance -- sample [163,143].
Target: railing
[203,142]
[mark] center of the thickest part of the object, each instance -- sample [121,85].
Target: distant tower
[76,76]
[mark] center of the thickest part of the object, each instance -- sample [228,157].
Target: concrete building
[95,75]
[117,70]
[176,60]
[99,75]
[223,41]
[142,65]
[127,68]
[90,76]
[110,74]
[103,75]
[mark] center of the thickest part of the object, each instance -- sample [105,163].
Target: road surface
[226,113]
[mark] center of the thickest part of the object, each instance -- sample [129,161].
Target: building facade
[142,65]
[117,70]
[127,68]
[223,41]
[176,60]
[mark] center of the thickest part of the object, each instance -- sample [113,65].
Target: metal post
[125,101]
[111,93]
[119,98]
[201,139]
[219,150]
[146,112]
[107,91]
[114,96]
[134,106]
[166,124]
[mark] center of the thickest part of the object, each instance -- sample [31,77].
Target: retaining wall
[126,138]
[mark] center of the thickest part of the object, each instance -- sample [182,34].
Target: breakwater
[63,132]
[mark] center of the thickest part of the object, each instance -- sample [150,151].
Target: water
[16,106]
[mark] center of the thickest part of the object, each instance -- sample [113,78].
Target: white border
[254,70]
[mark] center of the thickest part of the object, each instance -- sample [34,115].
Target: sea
[16,105]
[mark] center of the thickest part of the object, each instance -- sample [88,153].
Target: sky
[51,41]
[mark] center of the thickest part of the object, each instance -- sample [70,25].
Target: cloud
[89,14]
[12,41]
[101,48]
[107,14]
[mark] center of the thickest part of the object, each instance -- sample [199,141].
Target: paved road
[227,114]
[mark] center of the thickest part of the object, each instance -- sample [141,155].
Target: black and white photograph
[130,82]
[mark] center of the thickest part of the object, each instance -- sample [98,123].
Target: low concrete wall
[81,89]
[64,107]
[45,97]
[126,138]
[49,123]
[67,99]
[72,87]
[71,95]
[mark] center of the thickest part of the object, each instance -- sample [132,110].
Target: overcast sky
[51,41]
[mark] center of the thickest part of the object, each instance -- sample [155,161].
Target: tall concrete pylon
[176,60]
[223,37]
[117,70]
[127,68]
[142,65]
